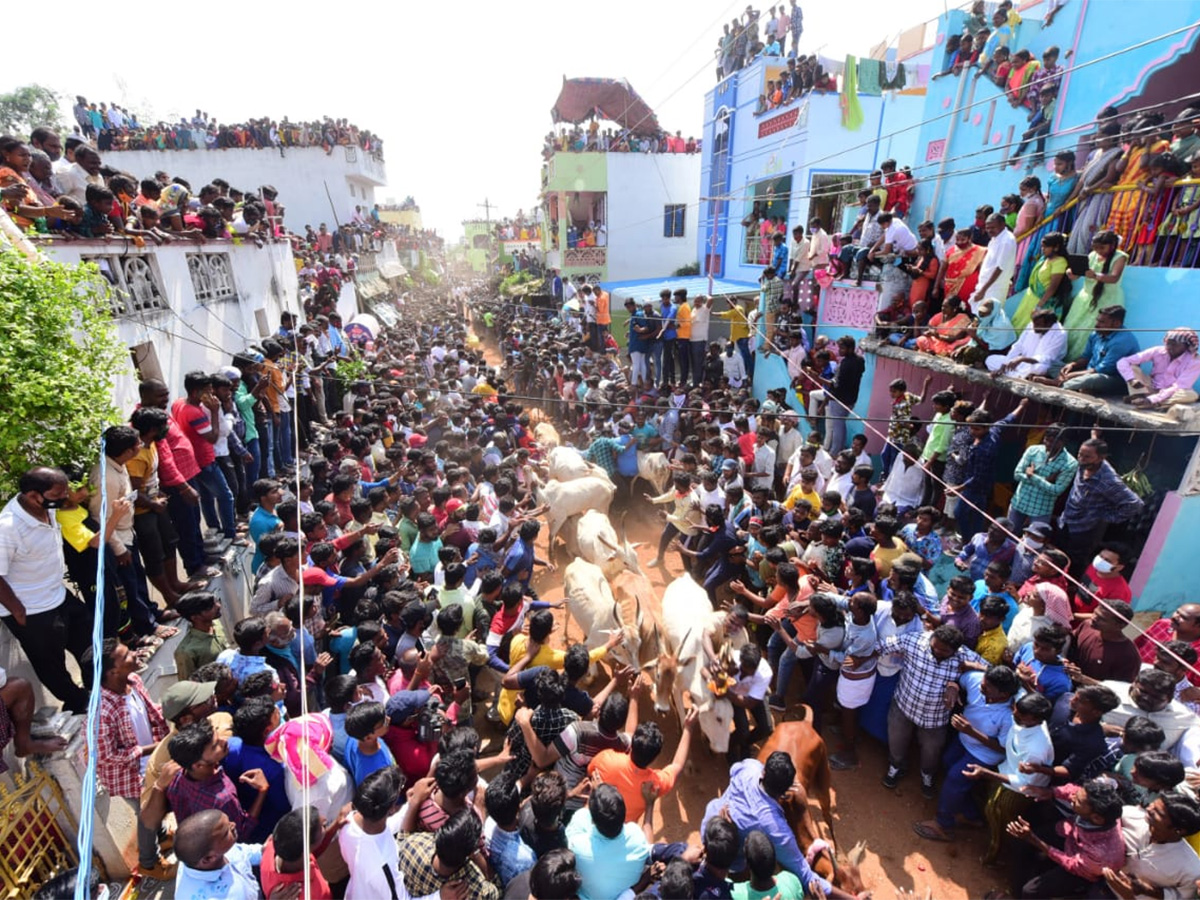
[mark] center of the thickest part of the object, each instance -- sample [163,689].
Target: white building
[314,186]
[185,305]
[646,203]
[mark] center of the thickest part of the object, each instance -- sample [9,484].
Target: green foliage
[27,108]
[352,369]
[689,269]
[59,356]
[510,286]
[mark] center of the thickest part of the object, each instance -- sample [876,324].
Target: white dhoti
[853,693]
[1023,370]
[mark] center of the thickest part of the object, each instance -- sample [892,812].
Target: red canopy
[607,98]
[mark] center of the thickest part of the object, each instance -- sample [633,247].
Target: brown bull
[809,807]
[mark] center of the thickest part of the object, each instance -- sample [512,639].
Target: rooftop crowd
[114,127]
[593,140]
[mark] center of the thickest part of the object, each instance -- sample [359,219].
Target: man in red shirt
[1181,625]
[197,416]
[177,470]
[1103,579]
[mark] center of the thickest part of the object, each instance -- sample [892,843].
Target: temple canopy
[607,98]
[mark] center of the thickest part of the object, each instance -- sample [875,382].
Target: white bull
[546,435]
[567,499]
[654,468]
[568,464]
[590,600]
[598,543]
[686,612]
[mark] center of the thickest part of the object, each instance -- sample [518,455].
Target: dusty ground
[865,810]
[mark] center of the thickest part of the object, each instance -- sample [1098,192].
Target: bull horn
[622,534]
[607,543]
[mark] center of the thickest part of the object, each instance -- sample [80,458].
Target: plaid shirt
[923,679]
[603,451]
[188,797]
[547,724]
[118,753]
[421,879]
[1102,498]
[1036,494]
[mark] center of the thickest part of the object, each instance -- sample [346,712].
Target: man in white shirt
[1039,350]
[905,484]
[996,270]
[896,244]
[818,246]
[34,603]
[698,342]
[74,180]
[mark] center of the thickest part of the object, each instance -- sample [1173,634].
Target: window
[212,276]
[134,282]
[674,216]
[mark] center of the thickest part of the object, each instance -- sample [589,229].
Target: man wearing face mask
[1032,542]
[45,619]
[1098,497]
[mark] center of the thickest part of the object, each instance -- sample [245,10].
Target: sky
[462,102]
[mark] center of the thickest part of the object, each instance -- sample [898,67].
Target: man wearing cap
[1174,368]
[1029,548]
[411,754]
[1040,349]
[1044,472]
[183,703]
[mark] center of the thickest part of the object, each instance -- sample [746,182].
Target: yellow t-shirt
[798,494]
[992,644]
[484,388]
[739,326]
[683,322]
[547,656]
[74,532]
[143,466]
[884,557]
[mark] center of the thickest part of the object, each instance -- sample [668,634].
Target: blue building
[959,135]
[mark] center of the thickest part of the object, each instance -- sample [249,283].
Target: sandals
[930,834]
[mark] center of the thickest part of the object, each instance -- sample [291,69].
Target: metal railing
[37,832]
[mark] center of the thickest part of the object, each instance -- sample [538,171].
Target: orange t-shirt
[617,769]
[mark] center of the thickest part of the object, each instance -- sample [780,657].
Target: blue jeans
[957,795]
[139,613]
[1020,520]
[835,426]
[253,467]
[888,457]
[656,356]
[216,499]
[285,439]
[266,438]
[186,519]
[782,660]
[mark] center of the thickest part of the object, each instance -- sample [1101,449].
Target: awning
[391,268]
[384,311]
[650,288]
[613,99]
[370,285]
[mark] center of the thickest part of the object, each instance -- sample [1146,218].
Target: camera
[430,721]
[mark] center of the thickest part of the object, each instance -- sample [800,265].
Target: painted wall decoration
[779,123]
[848,306]
[935,150]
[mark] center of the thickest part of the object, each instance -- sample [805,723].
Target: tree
[59,357]
[28,107]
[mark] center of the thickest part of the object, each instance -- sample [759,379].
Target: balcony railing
[584,257]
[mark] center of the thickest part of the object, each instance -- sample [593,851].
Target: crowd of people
[593,140]
[115,127]
[741,43]
[1023,292]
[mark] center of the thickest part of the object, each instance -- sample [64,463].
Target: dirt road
[865,810]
